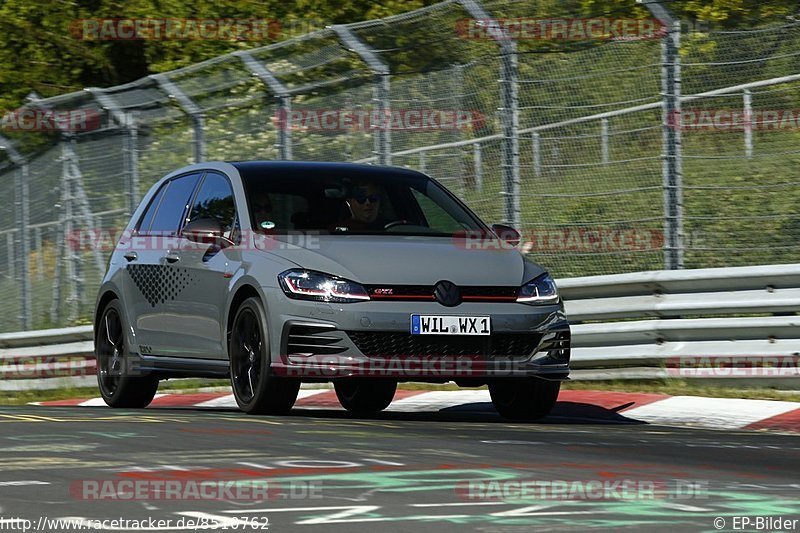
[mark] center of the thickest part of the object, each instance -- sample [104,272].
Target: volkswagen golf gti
[278,273]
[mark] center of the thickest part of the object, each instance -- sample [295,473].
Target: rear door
[154,279]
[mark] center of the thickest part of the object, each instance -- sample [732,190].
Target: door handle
[131,256]
[172,257]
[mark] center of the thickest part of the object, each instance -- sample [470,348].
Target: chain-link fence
[676,149]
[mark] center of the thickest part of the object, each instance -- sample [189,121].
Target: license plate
[450,325]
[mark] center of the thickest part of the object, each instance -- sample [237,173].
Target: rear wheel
[117,386]
[524,399]
[256,389]
[365,397]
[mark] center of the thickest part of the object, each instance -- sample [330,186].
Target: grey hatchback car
[279,273]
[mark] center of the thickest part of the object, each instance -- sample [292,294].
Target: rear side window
[215,200]
[173,205]
[147,219]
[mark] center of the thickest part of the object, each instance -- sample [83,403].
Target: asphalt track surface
[453,470]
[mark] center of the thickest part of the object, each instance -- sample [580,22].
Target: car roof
[319,168]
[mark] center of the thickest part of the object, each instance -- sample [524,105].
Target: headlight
[541,290]
[310,285]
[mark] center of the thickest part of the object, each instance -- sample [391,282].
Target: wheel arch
[242,293]
[102,302]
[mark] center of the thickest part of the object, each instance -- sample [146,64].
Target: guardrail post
[672,150]
[383,139]
[280,92]
[22,204]
[188,106]
[747,104]
[509,95]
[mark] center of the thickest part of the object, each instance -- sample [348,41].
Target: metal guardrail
[676,333]
[690,331]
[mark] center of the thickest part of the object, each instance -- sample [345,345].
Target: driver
[261,205]
[364,204]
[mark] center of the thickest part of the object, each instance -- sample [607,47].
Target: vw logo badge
[447,293]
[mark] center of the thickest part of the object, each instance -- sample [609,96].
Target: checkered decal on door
[160,283]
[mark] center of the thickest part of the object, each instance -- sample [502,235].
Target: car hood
[406,260]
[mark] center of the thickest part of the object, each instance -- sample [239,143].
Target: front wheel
[365,397]
[256,389]
[524,399]
[118,387]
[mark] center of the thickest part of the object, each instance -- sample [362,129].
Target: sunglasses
[373,198]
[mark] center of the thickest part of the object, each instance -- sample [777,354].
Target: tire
[256,388]
[524,399]
[117,386]
[365,397]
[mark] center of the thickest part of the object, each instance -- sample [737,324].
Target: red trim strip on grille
[416,297]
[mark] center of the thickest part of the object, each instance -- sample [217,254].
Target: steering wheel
[395,223]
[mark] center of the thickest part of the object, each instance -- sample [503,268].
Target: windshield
[371,204]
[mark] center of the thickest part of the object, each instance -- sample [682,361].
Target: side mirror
[507,234]
[205,231]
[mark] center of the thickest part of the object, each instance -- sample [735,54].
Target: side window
[167,219]
[147,218]
[215,200]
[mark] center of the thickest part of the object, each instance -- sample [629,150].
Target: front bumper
[320,342]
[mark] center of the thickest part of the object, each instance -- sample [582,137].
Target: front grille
[308,339]
[419,293]
[391,344]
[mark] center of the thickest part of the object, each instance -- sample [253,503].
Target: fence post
[188,106]
[10,255]
[64,252]
[37,240]
[383,139]
[604,145]
[22,204]
[478,162]
[536,144]
[509,94]
[284,101]
[747,101]
[130,160]
[671,138]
